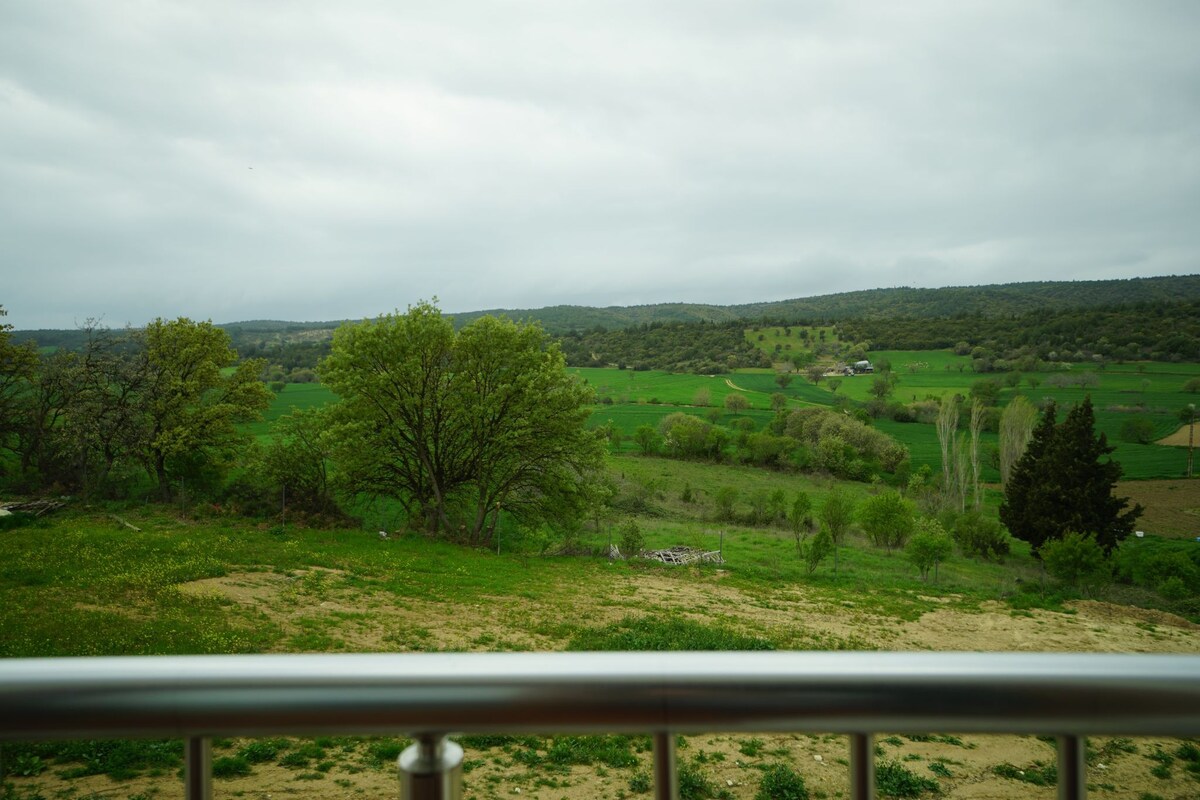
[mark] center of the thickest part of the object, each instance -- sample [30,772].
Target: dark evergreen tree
[1065,481]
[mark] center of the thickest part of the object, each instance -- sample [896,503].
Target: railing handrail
[258,695]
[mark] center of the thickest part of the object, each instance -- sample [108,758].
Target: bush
[632,540]
[230,767]
[693,784]
[1139,430]
[928,547]
[976,535]
[263,750]
[781,782]
[1075,559]
[816,550]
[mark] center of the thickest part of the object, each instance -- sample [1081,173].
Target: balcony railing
[428,696]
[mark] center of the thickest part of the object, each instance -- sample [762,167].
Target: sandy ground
[366,622]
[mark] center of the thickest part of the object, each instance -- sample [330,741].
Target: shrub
[888,519]
[1075,559]
[1139,430]
[230,767]
[781,782]
[639,783]
[693,784]
[928,547]
[263,750]
[976,535]
[632,540]
[816,550]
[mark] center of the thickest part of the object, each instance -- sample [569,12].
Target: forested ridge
[1140,318]
[1158,331]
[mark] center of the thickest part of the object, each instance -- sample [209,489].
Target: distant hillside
[994,300]
[998,300]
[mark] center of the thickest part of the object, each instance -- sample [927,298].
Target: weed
[263,750]
[893,779]
[781,782]
[941,770]
[751,747]
[639,783]
[671,633]
[230,767]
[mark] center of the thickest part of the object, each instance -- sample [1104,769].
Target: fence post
[666,781]
[197,771]
[1072,768]
[862,766]
[431,769]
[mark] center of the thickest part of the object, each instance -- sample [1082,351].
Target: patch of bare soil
[1171,507]
[1177,439]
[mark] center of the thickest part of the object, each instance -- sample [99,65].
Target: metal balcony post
[862,766]
[197,770]
[666,780]
[1072,768]
[431,769]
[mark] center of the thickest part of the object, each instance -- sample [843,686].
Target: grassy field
[81,583]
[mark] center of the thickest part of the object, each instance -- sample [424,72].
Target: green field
[1153,391]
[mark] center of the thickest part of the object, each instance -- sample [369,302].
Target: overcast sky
[325,160]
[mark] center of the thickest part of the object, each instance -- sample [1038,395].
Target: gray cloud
[314,161]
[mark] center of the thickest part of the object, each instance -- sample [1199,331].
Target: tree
[736,403]
[296,462]
[647,439]
[1016,427]
[702,397]
[836,515]
[815,373]
[1138,429]
[782,380]
[888,519]
[834,384]
[1192,386]
[928,547]
[190,408]
[459,427]
[1065,482]
[816,549]
[800,518]
[725,498]
[779,402]
[17,366]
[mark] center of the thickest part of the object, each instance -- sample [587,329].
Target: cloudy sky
[319,160]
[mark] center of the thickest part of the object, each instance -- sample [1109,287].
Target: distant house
[861,367]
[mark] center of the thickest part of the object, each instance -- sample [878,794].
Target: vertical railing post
[862,766]
[197,768]
[1072,768]
[431,769]
[666,780]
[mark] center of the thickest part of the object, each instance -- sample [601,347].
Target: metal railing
[427,696]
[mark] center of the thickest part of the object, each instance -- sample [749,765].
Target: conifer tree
[1065,482]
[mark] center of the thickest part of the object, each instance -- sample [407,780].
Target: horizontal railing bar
[188,696]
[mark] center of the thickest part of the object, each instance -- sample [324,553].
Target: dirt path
[734,386]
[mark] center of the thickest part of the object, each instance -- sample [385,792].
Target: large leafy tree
[1064,482]
[189,405]
[17,366]
[459,427]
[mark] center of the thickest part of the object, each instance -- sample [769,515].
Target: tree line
[457,427]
